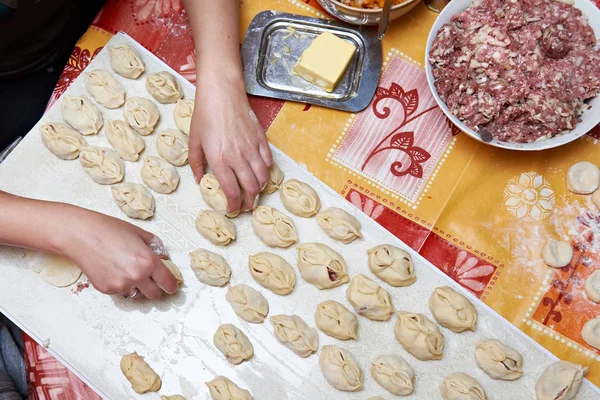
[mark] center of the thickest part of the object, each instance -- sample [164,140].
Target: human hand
[116,256]
[226,134]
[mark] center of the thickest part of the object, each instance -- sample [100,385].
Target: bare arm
[225,132]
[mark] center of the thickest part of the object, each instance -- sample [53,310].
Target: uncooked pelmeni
[159,175]
[292,331]
[62,140]
[275,179]
[141,114]
[452,309]
[592,286]
[299,198]
[392,265]
[591,332]
[376,398]
[341,369]
[221,388]
[210,268]
[369,299]
[273,227]
[212,193]
[233,343]
[173,397]
[215,227]
[104,166]
[126,61]
[182,115]
[164,87]
[419,336]
[460,386]
[142,377]
[55,270]
[173,146]
[339,225]
[320,265]
[336,320]
[583,178]
[272,272]
[557,254]
[124,140]
[394,374]
[134,200]
[247,303]
[81,114]
[174,269]
[560,381]
[498,360]
[105,89]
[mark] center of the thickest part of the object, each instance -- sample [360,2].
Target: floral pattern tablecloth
[478,213]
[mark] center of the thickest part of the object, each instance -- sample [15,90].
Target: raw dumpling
[221,388]
[339,225]
[215,227]
[592,286]
[557,254]
[498,360]
[173,146]
[104,166]
[105,89]
[292,331]
[272,272]
[392,265]
[62,140]
[321,265]
[174,269]
[141,114]
[452,310]
[126,61]
[164,87]
[124,140]
[233,343]
[273,227]
[210,268]
[275,179]
[591,332]
[81,114]
[161,176]
[341,369]
[336,320]
[583,178]
[173,397]
[460,386]
[182,115]
[369,299]
[142,377]
[419,336]
[394,374]
[299,198]
[560,381]
[134,200]
[213,195]
[247,303]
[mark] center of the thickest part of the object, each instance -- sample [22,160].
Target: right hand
[115,255]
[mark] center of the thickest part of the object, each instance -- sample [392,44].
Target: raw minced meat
[520,69]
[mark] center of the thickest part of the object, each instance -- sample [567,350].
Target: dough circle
[55,270]
[591,332]
[592,286]
[557,254]
[583,178]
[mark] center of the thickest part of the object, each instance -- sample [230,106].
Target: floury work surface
[89,331]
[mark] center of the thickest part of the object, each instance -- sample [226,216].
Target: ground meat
[521,69]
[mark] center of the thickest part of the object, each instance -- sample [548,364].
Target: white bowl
[365,16]
[589,119]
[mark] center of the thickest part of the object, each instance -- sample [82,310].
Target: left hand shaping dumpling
[369,299]
[103,165]
[339,225]
[173,146]
[321,265]
[215,227]
[273,227]
[299,198]
[233,343]
[164,87]
[341,369]
[459,386]
[292,331]
[134,200]
[452,310]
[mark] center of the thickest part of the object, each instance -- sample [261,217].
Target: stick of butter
[324,62]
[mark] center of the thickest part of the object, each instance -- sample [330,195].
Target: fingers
[265,152]
[149,289]
[230,186]
[196,157]
[249,183]
[154,243]
[260,169]
[165,279]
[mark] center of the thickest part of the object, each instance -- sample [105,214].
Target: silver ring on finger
[133,295]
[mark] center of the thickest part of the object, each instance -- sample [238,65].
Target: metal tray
[274,41]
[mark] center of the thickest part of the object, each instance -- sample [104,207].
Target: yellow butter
[324,62]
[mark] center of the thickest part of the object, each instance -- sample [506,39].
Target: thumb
[197,160]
